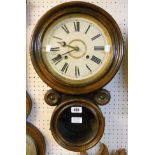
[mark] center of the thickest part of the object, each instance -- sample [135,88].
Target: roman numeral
[55,49]
[88,68]
[77,26]
[98,48]
[65,29]
[87,29]
[65,67]
[57,59]
[95,37]
[77,71]
[96,59]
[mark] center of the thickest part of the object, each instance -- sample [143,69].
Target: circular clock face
[77,49]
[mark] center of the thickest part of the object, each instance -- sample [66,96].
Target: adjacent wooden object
[38,138]
[83,153]
[32,131]
[80,143]
[120,152]
[28,104]
[70,8]
[103,150]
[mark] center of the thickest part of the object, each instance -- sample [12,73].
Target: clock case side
[55,13]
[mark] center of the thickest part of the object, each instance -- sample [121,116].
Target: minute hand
[75,48]
[67,52]
[63,44]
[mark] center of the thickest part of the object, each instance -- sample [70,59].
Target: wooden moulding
[103,150]
[100,97]
[120,152]
[28,104]
[95,137]
[69,8]
[38,138]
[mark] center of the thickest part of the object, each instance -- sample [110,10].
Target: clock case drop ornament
[75,8]
[87,103]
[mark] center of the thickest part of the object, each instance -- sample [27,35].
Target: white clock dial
[77,49]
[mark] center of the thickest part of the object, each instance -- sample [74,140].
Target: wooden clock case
[90,102]
[63,94]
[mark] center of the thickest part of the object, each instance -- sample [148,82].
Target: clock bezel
[92,77]
[72,8]
[81,103]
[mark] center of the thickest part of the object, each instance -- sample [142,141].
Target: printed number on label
[76,109]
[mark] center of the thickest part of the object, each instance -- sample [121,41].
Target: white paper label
[107,48]
[48,48]
[76,120]
[76,109]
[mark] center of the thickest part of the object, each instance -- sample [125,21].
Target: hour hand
[63,44]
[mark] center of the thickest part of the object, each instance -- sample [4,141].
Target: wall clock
[76,48]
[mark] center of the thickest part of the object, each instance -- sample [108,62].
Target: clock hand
[63,44]
[59,56]
[67,52]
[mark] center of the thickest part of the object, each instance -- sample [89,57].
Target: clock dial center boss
[79,47]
